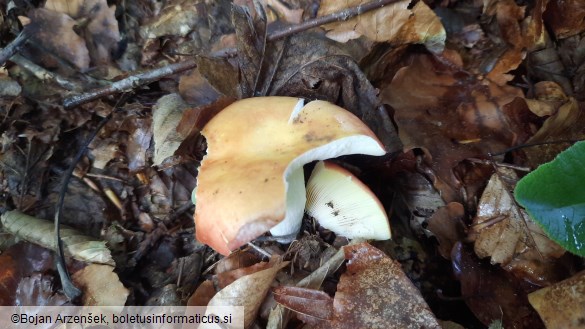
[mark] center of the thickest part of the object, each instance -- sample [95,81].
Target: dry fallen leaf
[504,229]
[561,305]
[167,114]
[41,232]
[394,23]
[101,286]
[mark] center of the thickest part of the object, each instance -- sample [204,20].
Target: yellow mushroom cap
[252,176]
[340,202]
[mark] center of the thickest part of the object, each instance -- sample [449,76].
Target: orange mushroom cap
[251,179]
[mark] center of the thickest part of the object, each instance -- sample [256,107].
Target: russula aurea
[341,203]
[252,180]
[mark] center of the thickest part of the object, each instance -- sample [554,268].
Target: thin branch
[43,74]
[342,15]
[129,83]
[13,47]
[159,73]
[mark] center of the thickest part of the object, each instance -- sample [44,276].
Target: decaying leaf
[167,114]
[373,293]
[41,232]
[101,286]
[561,305]
[248,291]
[504,229]
[491,293]
[459,116]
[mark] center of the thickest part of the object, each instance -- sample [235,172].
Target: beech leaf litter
[466,97]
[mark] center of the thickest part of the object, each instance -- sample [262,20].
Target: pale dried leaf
[248,291]
[41,232]
[101,286]
[168,112]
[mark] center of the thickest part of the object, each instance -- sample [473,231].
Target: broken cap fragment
[340,202]
[251,179]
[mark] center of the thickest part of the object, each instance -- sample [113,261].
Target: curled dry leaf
[41,232]
[373,293]
[394,23]
[459,116]
[101,286]
[561,305]
[565,17]
[505,230]
[177,18]
[248,291]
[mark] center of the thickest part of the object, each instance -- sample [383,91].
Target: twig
[43,74]
[129,83]
[156,74]
[13,47]
[342,15]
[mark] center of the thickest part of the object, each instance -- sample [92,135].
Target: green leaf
[554,196]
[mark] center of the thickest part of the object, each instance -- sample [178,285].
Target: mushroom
[340,202]
[252,180]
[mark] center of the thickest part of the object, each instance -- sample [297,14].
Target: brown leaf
[251,42]
[236,260]
[561,305]
[101,286]
[373,293]
[566,124]
[565,17]
[459,116]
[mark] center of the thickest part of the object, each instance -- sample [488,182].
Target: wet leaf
[553,196]
[490,292]
[458,117]
[41,232]
[448,227]
[311,302]
[38,290]
[565,17]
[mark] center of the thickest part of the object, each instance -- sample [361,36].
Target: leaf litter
[453,89]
